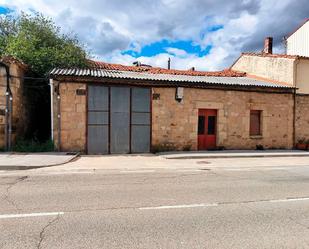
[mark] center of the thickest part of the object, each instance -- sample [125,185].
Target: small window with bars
[255,123]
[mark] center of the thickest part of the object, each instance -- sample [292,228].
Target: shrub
[163,148]
[259,147]
[187,147]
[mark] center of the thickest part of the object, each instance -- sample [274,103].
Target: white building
[298,41]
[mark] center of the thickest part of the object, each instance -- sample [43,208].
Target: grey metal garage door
[98,119]
[118,120]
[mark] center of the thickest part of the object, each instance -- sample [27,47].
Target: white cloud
[179,60]
[109,27]
[177,52]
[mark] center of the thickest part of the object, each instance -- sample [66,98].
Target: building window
[211,125]
[255,123]
[201,125]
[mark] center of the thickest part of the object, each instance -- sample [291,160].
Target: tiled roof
[277,55]
[167,79]
[12,60]
[158,70]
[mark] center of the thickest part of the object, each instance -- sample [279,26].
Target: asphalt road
[217,208]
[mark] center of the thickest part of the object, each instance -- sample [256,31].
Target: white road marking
[10,216]
[181,206]
[228,203]
[291,199]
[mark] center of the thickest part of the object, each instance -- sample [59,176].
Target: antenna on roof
[169,63]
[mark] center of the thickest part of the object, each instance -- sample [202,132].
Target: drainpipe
[295,102]
[294,119]
[51,84]
[10,120]
[8,109]
[59,119]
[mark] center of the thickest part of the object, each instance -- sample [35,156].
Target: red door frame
[207,135]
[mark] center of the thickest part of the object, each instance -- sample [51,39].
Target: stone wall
[302,117]
[19,118]
[175,123]
[72,117]
[2,106]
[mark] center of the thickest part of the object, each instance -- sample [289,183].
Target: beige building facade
[175,124]
[297,43]
[283,69]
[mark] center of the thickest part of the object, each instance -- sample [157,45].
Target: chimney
[169,63]
[268,45]
[137,63]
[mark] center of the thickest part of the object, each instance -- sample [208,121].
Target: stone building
[12,101]
[261,101]
[110,108]
[291,70]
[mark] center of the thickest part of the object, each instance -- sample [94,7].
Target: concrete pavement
[153,163]
[233,154]
[24,161]
[246,206]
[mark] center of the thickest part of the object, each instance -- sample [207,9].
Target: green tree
[38,42]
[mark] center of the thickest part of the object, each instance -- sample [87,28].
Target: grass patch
[33,145]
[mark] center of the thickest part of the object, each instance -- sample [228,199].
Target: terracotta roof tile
[12,60]
[158,70]
[277,55]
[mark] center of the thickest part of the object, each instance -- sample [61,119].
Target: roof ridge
[158,70]
[287,56]
[256,77]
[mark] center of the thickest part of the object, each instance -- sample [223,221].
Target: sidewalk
[170,160]
[150,162]
[23,161]
[234,154]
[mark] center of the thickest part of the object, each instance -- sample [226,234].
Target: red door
[207,129]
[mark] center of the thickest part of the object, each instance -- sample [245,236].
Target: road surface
[187,208]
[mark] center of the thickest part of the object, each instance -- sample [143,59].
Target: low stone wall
[19,118]
[72,117]
[175,124]
[302,118]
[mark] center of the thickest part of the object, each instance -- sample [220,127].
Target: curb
[24,167]
[236,156]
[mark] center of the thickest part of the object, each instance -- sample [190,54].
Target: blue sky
[163,45]
[5,10]
[205,34]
